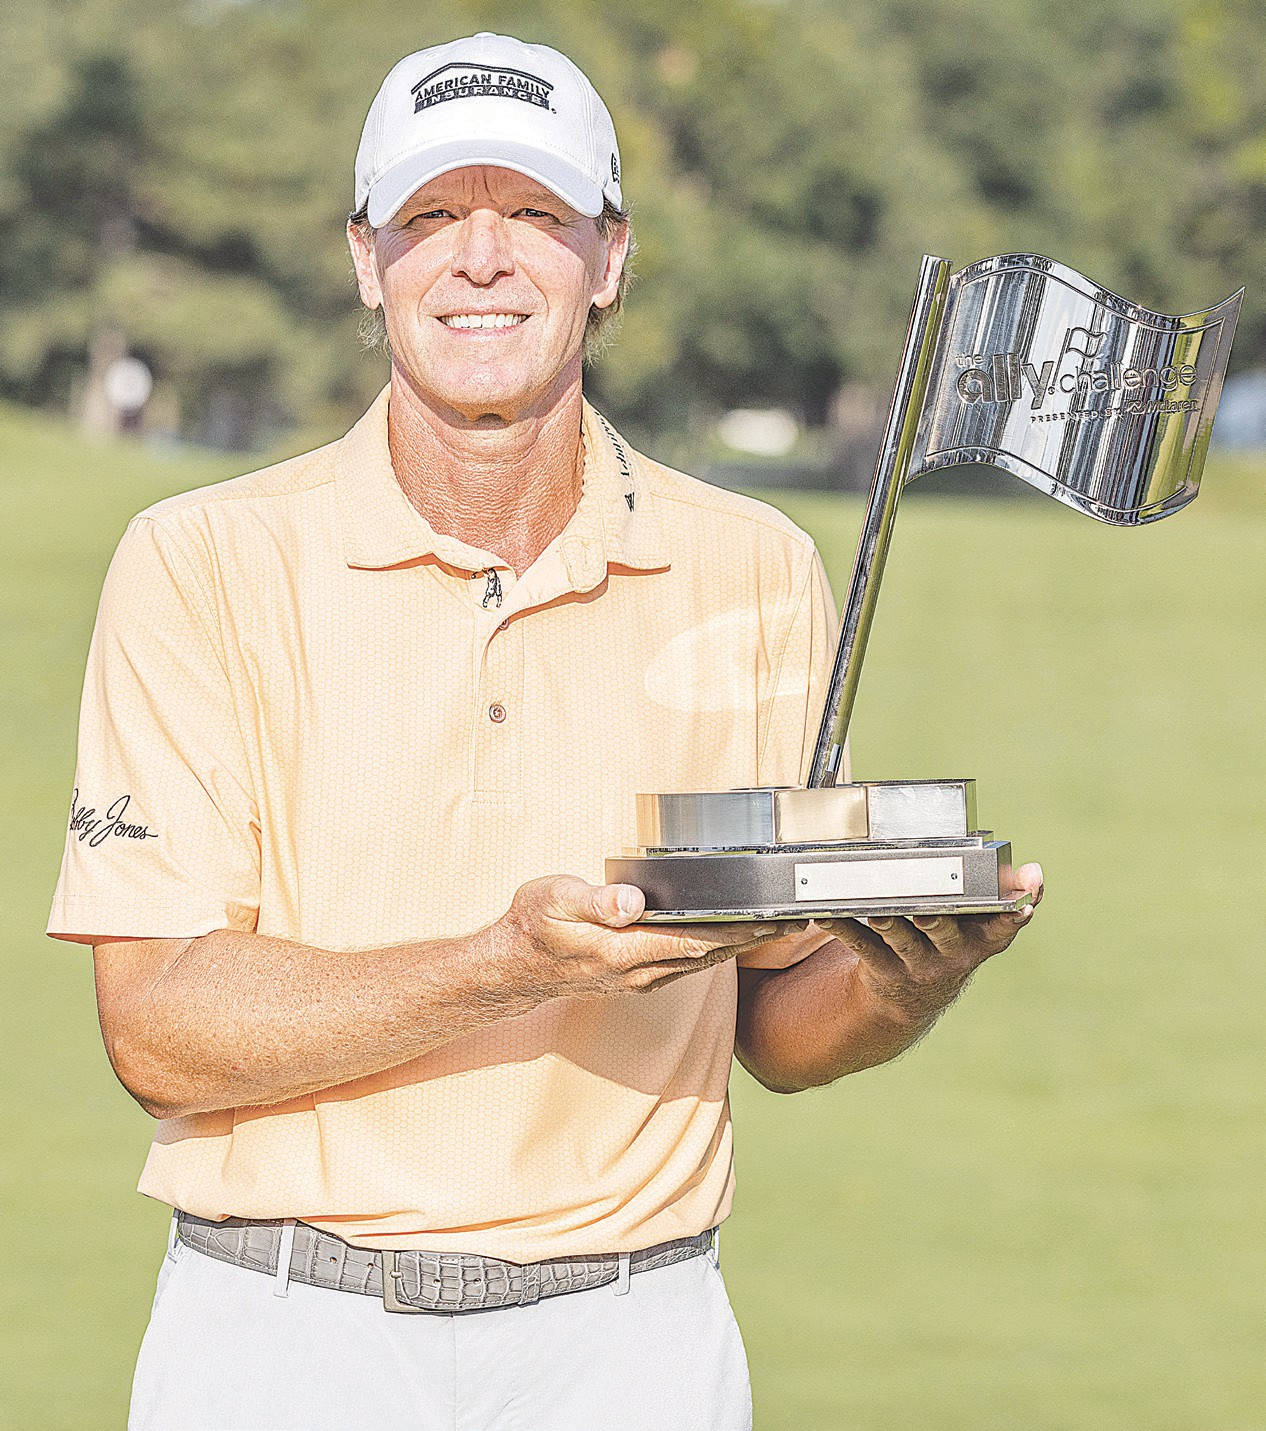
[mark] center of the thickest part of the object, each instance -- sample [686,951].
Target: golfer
[443,1125]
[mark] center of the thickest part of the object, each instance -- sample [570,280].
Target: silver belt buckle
[391,1275]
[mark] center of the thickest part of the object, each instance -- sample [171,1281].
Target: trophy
[1015,362]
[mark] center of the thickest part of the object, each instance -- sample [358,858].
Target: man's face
[485,279]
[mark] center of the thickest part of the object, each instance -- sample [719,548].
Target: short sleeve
[793,714]
[163,832]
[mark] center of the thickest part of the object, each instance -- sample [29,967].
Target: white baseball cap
[489,99]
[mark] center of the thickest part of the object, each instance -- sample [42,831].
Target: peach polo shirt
[307,713]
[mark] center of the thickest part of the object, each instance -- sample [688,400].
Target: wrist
[907,1007]
[503,969]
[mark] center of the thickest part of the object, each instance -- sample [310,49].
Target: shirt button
[496,712]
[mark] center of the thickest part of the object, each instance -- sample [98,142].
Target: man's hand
[917,966]
[867,994]
[564,937]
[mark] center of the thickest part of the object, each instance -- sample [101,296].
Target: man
[445,1126]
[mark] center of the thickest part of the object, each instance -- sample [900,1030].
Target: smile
[484,320]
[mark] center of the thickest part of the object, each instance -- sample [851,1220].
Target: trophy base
[761,916]
[807,882]
[879,847]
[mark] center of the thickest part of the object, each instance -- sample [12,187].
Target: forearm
[237,1019]
[815,1022]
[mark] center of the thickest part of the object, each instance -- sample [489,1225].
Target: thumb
[618,904]
[610,904]
[1029,877]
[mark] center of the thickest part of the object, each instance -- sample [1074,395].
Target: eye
[534,214]
[428,214]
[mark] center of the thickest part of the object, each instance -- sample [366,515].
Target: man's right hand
[563,937]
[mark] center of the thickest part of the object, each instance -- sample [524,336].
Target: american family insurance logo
[1073,377]
[456,81]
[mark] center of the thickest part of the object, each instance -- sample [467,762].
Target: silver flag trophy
[1021,363]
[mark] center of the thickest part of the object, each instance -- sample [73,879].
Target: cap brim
[407,175]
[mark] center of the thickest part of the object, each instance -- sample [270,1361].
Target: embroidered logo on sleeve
[96,829]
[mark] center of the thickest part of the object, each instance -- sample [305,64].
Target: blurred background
[1050,1215]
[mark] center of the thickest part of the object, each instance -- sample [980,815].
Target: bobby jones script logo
[88,825]
[456,81]
[1077,373]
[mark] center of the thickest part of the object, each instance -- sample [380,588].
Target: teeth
[483,320]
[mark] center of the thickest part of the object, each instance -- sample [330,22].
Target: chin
[490,402]
[484,392]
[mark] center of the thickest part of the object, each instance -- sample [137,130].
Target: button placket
[498,710]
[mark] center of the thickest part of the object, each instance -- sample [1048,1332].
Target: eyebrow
[521,200]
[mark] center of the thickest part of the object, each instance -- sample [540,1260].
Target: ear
[366,273]
[608,284]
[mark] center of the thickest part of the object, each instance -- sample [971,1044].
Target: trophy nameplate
[1016,362]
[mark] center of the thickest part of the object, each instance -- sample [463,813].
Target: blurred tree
[75,175]
[165,209]
[1221,111]
[178,178]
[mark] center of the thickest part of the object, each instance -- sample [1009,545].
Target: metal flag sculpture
[1016,362]
[1021,363]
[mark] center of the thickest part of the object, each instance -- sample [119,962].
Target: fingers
[919,937]
[663,971]
[946,932]
[734,935]
[922,946]
[651,976]
[687,948]
[866,944]
[731,935]
[998,930]
[769,933]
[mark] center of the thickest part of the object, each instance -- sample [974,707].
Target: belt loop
[623,1275]
[716,1247]
[281,1282]
[173,1230]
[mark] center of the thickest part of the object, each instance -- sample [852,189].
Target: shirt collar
[611,526]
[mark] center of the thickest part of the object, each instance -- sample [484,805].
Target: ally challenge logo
[1077,374]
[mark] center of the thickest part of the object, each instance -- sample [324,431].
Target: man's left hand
[916,967]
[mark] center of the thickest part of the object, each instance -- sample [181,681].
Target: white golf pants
[229,1349]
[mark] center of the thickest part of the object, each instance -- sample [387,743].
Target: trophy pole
[881,509]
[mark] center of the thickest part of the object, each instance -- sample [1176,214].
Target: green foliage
[787,164]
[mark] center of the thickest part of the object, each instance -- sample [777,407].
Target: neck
[507,485]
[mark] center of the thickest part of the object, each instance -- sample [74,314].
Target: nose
[482,250]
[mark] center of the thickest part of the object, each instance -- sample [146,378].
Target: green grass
[1049,1216]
